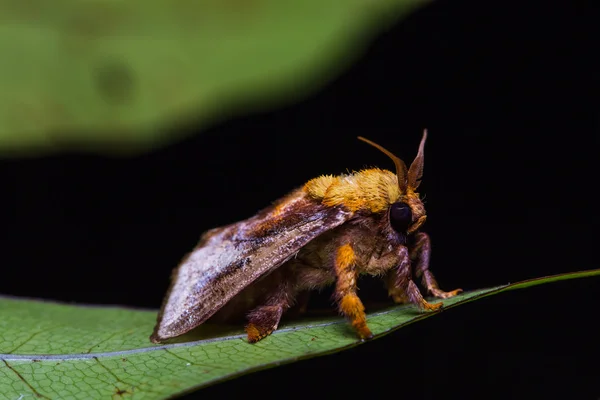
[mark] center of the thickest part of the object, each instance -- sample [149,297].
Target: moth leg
[302,301]
[264,319]
[397,294]
[300,305]
[421,252]
[408,288]
[345,291]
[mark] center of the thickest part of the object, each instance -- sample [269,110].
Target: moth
[329,231]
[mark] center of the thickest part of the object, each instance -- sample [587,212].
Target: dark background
[510,98]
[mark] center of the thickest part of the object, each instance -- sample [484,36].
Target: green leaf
[59,351]
[115,74]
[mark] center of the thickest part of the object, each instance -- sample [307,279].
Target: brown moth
[329,231]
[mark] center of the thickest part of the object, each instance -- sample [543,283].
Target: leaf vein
[119,380]
[193,362]
[103,341]
[37,394]
[31,337]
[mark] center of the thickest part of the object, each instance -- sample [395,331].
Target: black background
[510,97]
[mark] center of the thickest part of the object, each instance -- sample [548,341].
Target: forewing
[230,258]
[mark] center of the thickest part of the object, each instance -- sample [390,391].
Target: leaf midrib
[81,356]
[241,337]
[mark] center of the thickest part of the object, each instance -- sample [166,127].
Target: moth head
[408,213]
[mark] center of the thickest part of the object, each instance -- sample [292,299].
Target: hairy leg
[345,291]
[397,294]
[264,319]
[302,301]
[421,254]
[404,287]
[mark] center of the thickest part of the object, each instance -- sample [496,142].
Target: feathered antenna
[415,172]
[401,171]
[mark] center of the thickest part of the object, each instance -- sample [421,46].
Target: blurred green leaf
[59,351]
[120,75]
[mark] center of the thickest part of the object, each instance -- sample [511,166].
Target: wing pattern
[230,258]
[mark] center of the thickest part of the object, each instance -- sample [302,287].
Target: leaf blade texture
[60,351]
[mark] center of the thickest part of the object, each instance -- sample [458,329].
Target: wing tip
[158,335]
[163,333]
[172,325]
[155,338]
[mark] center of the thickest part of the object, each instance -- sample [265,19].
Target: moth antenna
[415,172]
[401,171]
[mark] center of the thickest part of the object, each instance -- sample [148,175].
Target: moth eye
[400,216]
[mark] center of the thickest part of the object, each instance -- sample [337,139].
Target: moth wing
[230,258]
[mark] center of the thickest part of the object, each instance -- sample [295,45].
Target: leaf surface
[60,351]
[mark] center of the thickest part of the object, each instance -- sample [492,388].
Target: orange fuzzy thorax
[370,190]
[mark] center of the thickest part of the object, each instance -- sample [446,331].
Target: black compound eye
[400,217]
